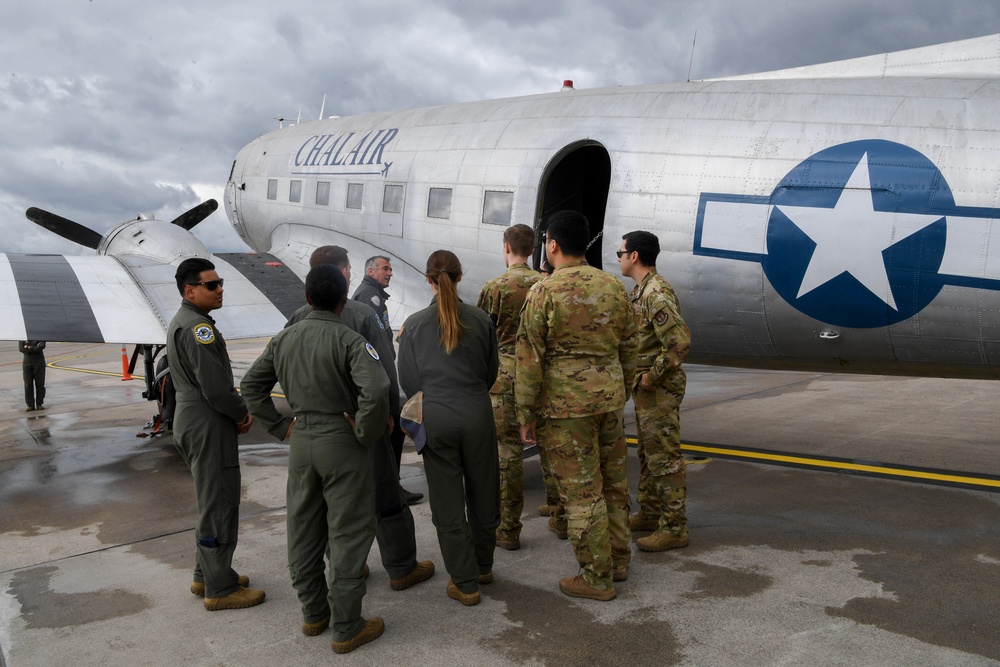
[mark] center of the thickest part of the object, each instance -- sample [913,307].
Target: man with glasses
[209,416]
[664,341]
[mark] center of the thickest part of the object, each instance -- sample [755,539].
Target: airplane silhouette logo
[862,234]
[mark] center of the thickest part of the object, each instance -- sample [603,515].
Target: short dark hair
[326,288]
[571,231]
[644,243]
[190,270]
[329,254]
[521,239]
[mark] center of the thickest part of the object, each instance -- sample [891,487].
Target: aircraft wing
[131,299]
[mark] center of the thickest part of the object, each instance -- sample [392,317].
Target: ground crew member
[33,369]
[371,291]
[209,416]
[449,352]
[502,299]
[394,531]
[664,341]
[338,390]
[575,360]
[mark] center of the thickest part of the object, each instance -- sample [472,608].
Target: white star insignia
[851,236]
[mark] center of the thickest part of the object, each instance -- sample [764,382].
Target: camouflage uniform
[502,299]
[664,341]
[575,361]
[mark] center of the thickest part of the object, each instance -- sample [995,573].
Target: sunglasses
[210,285]
[619,253]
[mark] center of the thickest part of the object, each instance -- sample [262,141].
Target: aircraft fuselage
[838,224]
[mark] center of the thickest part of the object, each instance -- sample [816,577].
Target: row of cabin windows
[498,206]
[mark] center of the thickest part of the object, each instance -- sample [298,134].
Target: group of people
[539,360]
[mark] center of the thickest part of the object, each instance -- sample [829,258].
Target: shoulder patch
[377,301]
[371,351]
[204,333]
[661,316]
[378,321]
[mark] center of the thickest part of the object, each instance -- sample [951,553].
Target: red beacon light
[568,84]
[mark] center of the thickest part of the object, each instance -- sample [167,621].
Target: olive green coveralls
[325,370]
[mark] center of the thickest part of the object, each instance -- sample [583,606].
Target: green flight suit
[325,370]
[576,350]
[33,371]
[395,531]
[460,457]
[208,410]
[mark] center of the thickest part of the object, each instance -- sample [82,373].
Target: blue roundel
[856,234]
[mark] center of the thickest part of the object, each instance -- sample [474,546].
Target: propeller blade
[72,231]
[196,215]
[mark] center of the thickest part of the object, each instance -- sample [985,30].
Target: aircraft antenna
[299,119]
[691,62]
[322,107]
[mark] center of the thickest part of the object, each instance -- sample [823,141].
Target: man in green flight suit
[33,370]
[575,363]
[338,390]
[394,531]
[209,416]
[664,341]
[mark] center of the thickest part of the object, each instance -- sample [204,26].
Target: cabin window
[392,199]
[439,203]
[498,208]
[272,188]
[323,193]
[355,192]
[295,191]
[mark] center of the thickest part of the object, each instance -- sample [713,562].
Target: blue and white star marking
[863,234]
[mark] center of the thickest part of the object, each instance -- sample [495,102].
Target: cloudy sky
[109,108]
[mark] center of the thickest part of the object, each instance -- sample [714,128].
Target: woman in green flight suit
[449,352]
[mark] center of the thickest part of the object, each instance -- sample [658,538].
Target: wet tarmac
[787,566]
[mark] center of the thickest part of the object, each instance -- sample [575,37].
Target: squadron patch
[204,334]
[371,351]
[661,317]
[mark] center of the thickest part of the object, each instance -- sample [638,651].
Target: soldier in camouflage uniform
[575,362]
[502,299]
[664,340]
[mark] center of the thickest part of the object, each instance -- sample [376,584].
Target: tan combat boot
[661,540]
[641,521]
[241,598]
[422,571]
[577,587]
[373,629]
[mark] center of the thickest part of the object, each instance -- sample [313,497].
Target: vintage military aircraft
[833,217]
